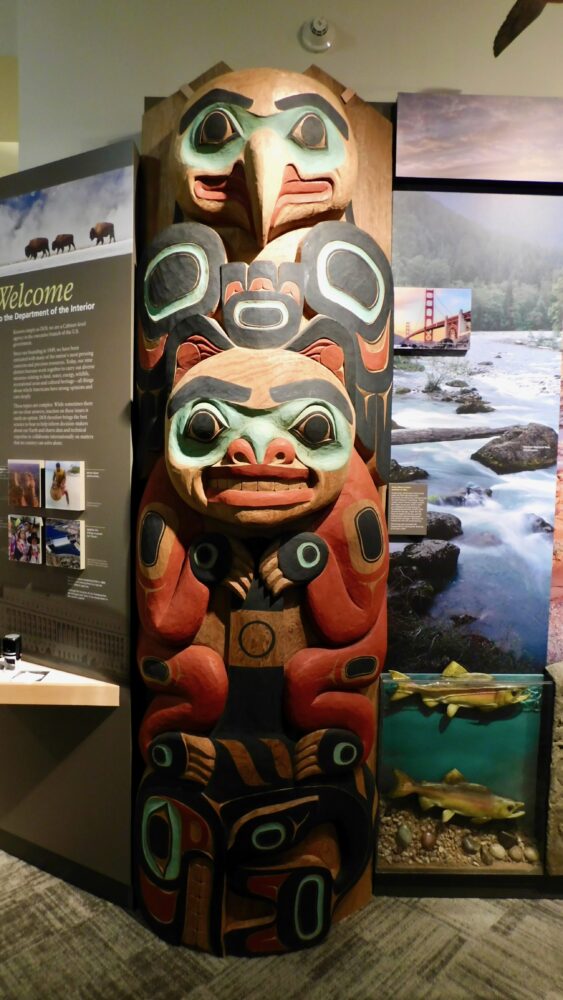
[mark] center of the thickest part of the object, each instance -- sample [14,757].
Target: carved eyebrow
[313,388]
[207,388]
[305,100]
[217,96]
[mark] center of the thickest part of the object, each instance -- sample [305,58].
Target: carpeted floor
[58,942]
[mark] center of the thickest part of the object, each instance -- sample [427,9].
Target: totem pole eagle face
[265,151]
[258,439]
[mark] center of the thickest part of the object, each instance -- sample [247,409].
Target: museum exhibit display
[458,772]
[474,588]
[341,622]
[263,373]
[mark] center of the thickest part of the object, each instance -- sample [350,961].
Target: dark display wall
[66,322]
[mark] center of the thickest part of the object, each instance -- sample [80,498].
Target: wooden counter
[33,684]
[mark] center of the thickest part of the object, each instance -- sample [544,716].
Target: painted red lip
[224,187]
[248,471]
[297,190]
[258,486]
[232,187]
[302,188]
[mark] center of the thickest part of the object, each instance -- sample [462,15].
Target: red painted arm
[172,602]
[346,598]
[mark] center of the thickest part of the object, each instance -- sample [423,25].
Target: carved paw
[270,572]
[210,558]
[294,560]
[184,756]
[241,572]
[215,560]
[326,752]
[303,557]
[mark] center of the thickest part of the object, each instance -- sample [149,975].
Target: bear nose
[241,452]
[280,451]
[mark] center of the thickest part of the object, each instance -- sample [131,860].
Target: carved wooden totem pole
[263,379]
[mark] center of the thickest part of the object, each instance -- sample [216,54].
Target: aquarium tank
[458,773]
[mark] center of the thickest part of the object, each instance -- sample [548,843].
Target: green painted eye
[310,132]
[161,833]
[204,425]
[344,754]
[315,429]
[206,555]
[308,555]
[216,129]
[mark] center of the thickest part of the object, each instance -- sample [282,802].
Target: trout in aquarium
[456,795]
[459,688]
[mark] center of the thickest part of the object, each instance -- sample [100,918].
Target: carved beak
[264,164]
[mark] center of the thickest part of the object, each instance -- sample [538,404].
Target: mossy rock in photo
[520,449]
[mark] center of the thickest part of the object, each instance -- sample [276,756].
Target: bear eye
[216,129]
[315,429]
[310,132]
[204,425]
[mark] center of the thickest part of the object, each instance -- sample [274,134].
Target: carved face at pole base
[264,151]
[258,439]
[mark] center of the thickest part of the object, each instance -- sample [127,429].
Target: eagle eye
[216,129]
[310,132]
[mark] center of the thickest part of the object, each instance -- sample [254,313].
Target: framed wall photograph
[64,543]
[479,137]
[25,539]
[65,485]
[25,482]
[432,320]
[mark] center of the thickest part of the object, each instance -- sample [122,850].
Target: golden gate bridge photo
[428,319]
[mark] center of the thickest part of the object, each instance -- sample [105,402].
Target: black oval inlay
[269,838]
[260,319]
[158,837]
[350,273]
[152,530]
[369,534]
[308,908]
[155,670]
[361,666]
[174,277]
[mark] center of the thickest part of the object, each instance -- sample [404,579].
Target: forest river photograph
[481,432]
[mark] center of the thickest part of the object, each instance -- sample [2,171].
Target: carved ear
[190,353]
[328,355]
[149,352]
[187,356]
[219,69]
[339,90]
